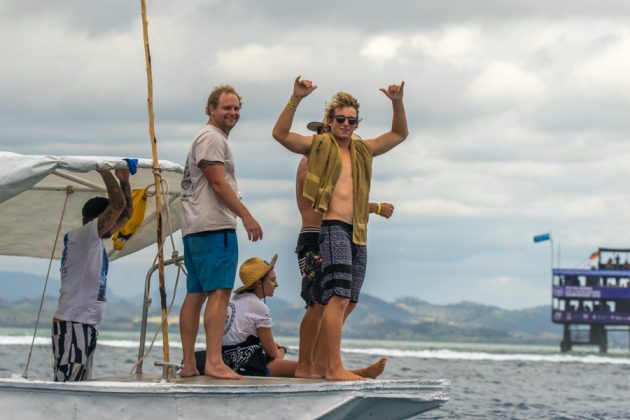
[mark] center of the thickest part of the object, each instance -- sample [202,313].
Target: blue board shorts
[211,260]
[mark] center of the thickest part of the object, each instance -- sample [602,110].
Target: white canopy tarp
[33,190]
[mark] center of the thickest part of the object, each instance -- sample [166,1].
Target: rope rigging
[69,191]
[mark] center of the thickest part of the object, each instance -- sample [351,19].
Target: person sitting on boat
[84,267]
[248,344]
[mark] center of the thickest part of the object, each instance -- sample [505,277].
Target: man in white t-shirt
[84,267]
[210,206]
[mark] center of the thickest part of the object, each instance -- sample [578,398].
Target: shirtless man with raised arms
[337,184]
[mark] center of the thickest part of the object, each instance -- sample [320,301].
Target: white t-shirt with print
[202,209]
[84,266]
[245,314]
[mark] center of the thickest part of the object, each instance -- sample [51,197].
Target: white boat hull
[198,398]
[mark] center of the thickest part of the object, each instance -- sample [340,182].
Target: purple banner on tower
[578,292]
[575,317]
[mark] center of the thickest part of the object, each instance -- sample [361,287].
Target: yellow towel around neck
[324,167]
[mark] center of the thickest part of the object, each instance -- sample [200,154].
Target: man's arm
[295,142]
[399,131]
[123,178]
[215,174]
[107,219]
[382,209]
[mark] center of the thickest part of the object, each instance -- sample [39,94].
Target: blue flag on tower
[542,237]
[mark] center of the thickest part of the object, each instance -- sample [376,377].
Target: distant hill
[119,316]
[412,319]
[535,320]
[405,319]
[17,286]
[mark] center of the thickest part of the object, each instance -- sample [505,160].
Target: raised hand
[394,92]
[122,174]
[303,88]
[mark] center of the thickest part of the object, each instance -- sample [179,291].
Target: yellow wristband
[291,105]
[378,208]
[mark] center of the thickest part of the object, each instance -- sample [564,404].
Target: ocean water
[487,381]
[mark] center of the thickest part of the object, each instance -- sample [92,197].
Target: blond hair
[213,98]
[340,100]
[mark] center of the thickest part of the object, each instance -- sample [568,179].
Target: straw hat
[254,269]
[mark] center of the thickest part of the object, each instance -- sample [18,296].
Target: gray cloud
[517,112]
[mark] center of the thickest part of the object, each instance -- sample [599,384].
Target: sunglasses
[351,120]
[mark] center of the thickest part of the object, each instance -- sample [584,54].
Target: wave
[10,340]
[134,344]
[21,340]
[497,357]
[377,351]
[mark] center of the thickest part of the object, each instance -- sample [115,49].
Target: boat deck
[206,380]
[269,385]
[128,397]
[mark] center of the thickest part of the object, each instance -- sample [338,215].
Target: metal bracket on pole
[169,370]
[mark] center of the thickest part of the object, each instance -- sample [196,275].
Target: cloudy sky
[518,114]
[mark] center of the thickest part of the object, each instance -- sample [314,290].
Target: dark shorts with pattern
[343,262]
[247,358]
[310,264]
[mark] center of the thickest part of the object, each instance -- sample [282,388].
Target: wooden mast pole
[158,184]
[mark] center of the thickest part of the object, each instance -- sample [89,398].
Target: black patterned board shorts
[343,262]
[310,264]
[247,358]
[73,345]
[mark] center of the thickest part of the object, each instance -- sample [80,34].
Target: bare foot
[309,373]
[188,371]
[373,371]
[222,372]
[342,375]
